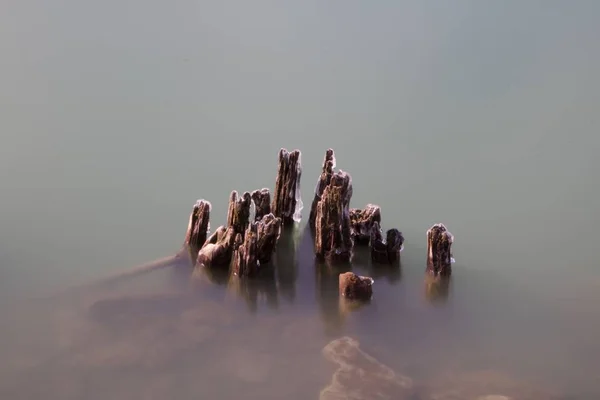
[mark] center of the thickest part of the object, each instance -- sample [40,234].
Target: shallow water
[115,120]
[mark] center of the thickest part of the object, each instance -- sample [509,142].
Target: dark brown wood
[218,249]
[388,251]
[256,247]
[262,203]
[439,251]
[238,214]
[361,222]
[287,200]
[332,223]
[198,227]
[322,183]
[356,287]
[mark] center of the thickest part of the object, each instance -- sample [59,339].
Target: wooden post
[322,183]
[238,214]
[218,248]
[332,224]
[388,251]
[198,226]
[262,203]
[439,251]
[361,222]
[353,286]
[256,248]
[287,200]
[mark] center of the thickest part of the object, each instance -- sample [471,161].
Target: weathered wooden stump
[268,231]
[332,224]
[287,200]
[238,214]
[256,247]
[361,222]
[388,251]
[356,287]
[218,248]
[439,251]
[198,227]
[262,203]
[322,183]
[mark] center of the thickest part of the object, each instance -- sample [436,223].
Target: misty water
[116,118]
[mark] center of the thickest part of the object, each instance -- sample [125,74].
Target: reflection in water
[437,289]
[327,289]
[286,263]
[263,285]
[391,272]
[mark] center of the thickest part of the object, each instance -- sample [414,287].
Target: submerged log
[361,222]
[287,200]
[388,251]
[218,249]
[357,287]
[322,183]
[238,214]
[262,203]
[439,251]
[332,224]
[198,226]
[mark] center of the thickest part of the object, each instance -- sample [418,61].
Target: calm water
[115,118]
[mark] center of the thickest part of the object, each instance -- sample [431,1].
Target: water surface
[116,118]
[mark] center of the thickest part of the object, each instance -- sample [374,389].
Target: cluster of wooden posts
[245,244]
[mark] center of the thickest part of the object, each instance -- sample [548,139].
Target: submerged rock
[361,376]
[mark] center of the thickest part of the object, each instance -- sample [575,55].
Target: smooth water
[115,118]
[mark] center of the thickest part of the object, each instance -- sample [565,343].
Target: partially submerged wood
[355,287]
[287,200]
[256,247]
[361,222]
[332,223]
[198,227]
[262,203]
[322,183]
[218,249]
[238,214]
[385,251]
[439,251]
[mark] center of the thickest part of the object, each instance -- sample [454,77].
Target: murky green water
[116,118]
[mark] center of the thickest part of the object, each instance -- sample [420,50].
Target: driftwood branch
[439,251]
[361,222]
[287,201]
[388,251]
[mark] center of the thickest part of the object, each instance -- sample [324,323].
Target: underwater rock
[361,222]
[218,249]
[198,226]
[333,241]
[439,251]
[287,199]
[353,286]
[262,203]
[361,376]
[388,251]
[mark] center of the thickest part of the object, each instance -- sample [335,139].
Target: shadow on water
[391,272]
